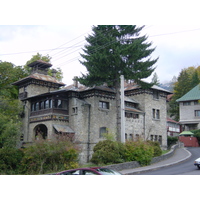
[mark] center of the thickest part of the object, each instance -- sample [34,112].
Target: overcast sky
[177,46]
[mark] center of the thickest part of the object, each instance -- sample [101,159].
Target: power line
[73,59]
[162,34]
[7,54]
[71,40]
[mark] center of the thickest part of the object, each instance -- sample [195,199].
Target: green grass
[165,151]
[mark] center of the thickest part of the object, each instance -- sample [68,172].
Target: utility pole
[122,110]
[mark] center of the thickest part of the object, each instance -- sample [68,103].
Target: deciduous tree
[47,58]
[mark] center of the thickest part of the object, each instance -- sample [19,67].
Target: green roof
[193,94]
[186,133]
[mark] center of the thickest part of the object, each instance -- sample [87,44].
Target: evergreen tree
[115,50]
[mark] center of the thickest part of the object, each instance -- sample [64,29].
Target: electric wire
[69,48]
[71,60]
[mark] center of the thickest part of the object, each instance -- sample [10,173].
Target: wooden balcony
[49,111]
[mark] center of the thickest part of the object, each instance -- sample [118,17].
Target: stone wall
[153,127]
[87,121]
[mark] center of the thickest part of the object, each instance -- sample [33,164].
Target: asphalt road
[184,168]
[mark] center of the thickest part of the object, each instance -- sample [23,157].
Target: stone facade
[89,113]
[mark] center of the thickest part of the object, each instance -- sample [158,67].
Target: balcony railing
[49,111]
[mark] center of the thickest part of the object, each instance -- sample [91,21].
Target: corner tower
[38,82]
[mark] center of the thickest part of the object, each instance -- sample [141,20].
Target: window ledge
[156,119]
[103,109]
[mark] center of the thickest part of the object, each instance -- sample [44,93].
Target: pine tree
[115,50]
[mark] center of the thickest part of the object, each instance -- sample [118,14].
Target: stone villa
[87,113]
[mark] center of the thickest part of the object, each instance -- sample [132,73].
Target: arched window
[48,104]
[36,106]
[41,106]
[40,132]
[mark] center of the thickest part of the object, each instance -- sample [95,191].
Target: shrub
[47,156]
[197,134]
[107,151]
[10,159]
[171,141]
[139,151]
[156,148]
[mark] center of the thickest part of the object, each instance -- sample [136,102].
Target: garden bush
[156,148]
[197,134]
[107,152]
[171,141]
[49,156]
[139,151]
[111,152]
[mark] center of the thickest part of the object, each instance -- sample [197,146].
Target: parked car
[197,163]
[89,171]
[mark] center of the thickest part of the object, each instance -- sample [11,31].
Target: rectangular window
[46,104]
[155,94]
[186,103]
[156,114]
[160,139]
[197,113]
[36,106]
[102,131]
[156,138]
[151,137]
[197,102]
[131,115]
[41,105]
[103,105]
[131,137]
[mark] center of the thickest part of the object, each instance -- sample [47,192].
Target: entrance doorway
[41,132]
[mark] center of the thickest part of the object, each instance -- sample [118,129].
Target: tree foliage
[155,79]
[10,122]
[187,79]
[9,73]
[47,58]
[116,50]
[10,107]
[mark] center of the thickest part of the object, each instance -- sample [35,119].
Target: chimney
[54,71]
[75,79]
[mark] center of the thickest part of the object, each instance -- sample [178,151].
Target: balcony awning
[63,128]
